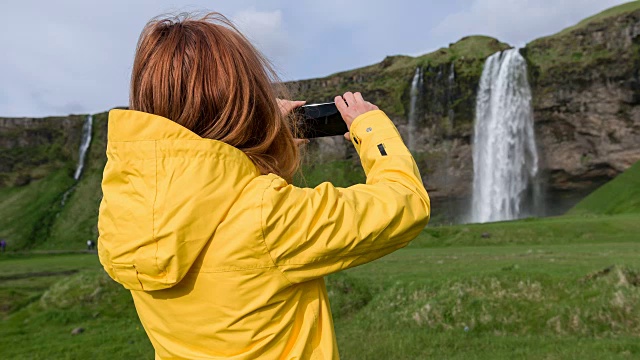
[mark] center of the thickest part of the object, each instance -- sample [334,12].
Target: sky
[75,56]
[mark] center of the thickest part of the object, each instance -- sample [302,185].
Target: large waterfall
[84,145]
[416,85]
[505,160]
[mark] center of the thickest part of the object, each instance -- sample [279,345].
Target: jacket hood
[165,191]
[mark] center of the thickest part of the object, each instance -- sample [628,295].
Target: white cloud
[265,30]
[518,21]
[76,55]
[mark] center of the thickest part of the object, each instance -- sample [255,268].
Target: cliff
[32,148]
[586,91]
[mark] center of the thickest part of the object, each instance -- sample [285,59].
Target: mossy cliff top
[386,83]
[596,42]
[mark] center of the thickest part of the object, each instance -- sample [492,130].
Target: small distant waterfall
[84,145]
[505,160]
[87,128]
[450,85]
[416,85]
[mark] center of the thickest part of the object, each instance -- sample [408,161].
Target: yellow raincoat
[225,263]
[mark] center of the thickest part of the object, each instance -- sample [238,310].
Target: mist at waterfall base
[505,159]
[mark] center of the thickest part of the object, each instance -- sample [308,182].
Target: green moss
[566,53]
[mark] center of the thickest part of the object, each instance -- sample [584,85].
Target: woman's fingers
[340,104]
[349,98]
[351,105]
[359,98]
[287,106]
[300,142]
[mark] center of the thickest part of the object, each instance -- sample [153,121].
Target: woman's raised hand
[351,105]
[287,106]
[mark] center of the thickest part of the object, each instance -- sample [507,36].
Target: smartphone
[321,120]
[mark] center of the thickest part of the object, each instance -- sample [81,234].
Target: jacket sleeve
[311,233]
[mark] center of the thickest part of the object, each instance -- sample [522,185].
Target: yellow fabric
[225,263]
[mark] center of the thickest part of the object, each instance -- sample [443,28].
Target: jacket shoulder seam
[264,239]
[295,262]
[227,270]
[153,211]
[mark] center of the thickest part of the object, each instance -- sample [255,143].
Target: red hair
[205,75]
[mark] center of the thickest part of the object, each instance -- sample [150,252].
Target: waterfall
[84,146]
[505,160]
[416,85]
[451,83]
[87,128]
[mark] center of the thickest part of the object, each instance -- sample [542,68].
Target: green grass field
[566,287]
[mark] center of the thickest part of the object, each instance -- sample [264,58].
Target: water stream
[85,142]
[416,85]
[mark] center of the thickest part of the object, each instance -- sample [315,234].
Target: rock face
[30,148]
[587,100]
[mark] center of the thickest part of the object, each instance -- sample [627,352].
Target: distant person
[3,245]
[90,245]
[225,258]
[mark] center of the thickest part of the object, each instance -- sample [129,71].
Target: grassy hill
[618,196]
[33,216]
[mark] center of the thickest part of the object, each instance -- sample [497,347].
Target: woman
[225,258]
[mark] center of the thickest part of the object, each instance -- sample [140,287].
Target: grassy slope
[31,216]
[27,212]
[621,195]
[77,221]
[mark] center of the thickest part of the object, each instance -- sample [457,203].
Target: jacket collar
[134,126]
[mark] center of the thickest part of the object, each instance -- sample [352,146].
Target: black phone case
[321,120]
